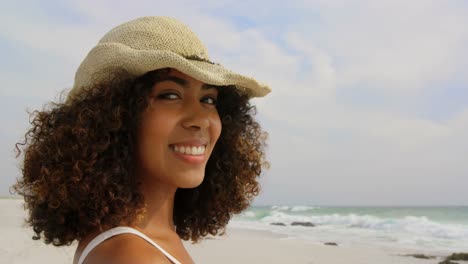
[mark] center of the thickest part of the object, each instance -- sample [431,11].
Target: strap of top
[117,231]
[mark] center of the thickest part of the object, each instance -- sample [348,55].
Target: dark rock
[302,224]
[458,256]
[331,244]
[278,224]
[455,256]
[420,256]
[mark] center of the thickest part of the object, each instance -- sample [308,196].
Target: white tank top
[117,231]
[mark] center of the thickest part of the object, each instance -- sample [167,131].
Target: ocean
[443,229]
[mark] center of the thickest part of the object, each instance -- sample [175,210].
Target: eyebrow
[184,83]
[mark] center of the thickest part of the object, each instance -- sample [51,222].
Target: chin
[192,182]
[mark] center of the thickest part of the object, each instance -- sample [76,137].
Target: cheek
[216,126]
[153,136]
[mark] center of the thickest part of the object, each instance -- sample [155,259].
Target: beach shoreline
[238,245]
[241,245]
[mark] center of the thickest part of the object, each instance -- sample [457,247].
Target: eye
[209,100]
[168,96]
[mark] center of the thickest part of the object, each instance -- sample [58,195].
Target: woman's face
[178,132]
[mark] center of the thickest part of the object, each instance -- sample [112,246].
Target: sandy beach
[237,246]
[246,246]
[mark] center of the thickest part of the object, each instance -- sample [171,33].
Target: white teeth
[190,150]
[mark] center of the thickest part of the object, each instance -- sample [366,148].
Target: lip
[192,159]
[191,142]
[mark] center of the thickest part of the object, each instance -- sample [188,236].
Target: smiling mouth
[189,150]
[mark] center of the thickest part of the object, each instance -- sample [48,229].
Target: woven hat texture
[151,43]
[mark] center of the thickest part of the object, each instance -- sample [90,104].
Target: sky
[369,103]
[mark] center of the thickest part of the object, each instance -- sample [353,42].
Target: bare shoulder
[125,248]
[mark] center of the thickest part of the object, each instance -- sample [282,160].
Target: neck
[158,218]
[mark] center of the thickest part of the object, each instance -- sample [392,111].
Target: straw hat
[151,43]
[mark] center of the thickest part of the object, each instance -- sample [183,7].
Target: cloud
[391,45]
[331,140]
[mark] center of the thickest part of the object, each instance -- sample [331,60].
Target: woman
[155,143]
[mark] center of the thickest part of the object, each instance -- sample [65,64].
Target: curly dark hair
[79,157]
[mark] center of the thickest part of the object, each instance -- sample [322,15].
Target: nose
[196,117]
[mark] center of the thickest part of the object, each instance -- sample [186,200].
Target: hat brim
[106,58]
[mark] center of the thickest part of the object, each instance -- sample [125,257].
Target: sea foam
[407,230]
